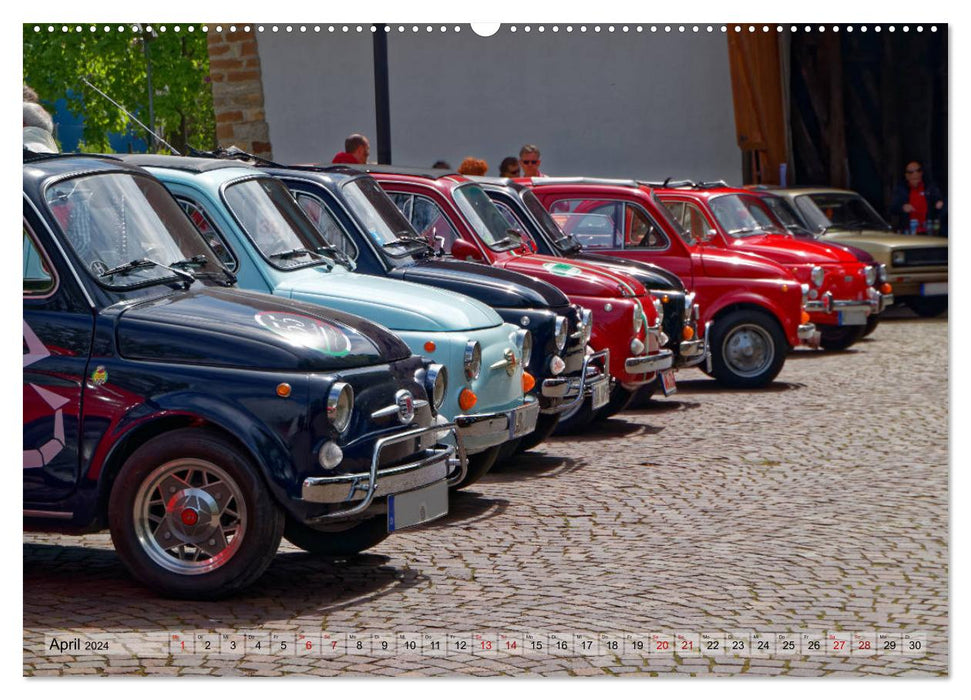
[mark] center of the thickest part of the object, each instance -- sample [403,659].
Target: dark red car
[459,216]
[841,294]
[755,307]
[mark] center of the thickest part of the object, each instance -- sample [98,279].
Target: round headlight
[659,309]
[330,455]
[870,274]
[817,276]
[562,327]
[524,339]
[882,272]
[473,359]
[436,384]
[638,316]
[340,405]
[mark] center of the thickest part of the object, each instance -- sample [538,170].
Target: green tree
[115,61]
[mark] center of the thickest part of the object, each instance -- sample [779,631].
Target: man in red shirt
[356,150]
[916,200]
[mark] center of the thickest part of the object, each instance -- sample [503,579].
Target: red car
[841,294]
[457,215]
[755,307]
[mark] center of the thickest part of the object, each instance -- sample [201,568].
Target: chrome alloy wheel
[190,516]
[748,350]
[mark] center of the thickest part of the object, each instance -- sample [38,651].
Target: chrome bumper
[578,388]
[483,430]
[362,487]
[647,364]
[828,305]
[880,301]
[808,334]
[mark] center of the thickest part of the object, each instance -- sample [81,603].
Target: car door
[58,326]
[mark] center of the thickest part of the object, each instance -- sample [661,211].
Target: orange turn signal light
[430,346]
[688,333]
[283,390]
[665,299]
[805,317]
[467,399]
[886,288]
[528,382]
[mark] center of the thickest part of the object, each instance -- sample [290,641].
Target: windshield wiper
[294,253]
[140,263]
[406,240]
[195,261]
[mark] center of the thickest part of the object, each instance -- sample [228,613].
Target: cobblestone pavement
[818,505]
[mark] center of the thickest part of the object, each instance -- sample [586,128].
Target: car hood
[792,251]
[401,306]
[651,276]
[741,265]
[575,277]
[234,328]
[885,238]
[493,286]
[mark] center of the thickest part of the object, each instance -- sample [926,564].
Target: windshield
[113,219]
[783,211]
[483,216]
[552,232]
[734,217]
[375,211]
[761,212]
[663,211]
[274,223]
[839,210]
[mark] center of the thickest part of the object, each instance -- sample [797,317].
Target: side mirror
[707,235]
[463,250]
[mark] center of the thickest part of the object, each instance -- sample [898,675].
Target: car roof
[812,190]
[39,167]
[185,163]
[431,173]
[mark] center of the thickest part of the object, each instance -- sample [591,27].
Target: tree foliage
[115,61]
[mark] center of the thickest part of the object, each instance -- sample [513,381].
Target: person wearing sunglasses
[509,167]
[917,203]
[529,158]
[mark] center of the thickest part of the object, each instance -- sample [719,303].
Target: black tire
[545,425]
[507,450]
[479,465]
[339,540]
[577,419]
[213,471]
[872,321]
[840,337]
[642,397]
[620,398]
[738,333]
[928,307]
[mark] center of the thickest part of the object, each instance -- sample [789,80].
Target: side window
[208,230]
[595,223]
[432,223]
[404,203]
[510,216]
[39,280]
[677,211]
[694,221]
[643,231]
[325,222]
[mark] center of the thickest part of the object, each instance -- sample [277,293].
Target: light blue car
[259,232]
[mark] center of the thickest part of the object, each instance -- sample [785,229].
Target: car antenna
[130,115]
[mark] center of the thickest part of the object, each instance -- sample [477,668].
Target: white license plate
[601,395]
[668,385]
[518,424]
[416,507]
[852,318]
[933,289]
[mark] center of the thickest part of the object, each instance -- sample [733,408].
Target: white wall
[607,104]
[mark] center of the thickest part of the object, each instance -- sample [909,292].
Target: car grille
[916,257]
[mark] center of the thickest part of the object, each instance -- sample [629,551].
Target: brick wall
[237,90]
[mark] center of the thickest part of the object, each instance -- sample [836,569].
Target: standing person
[473,166]
[509,167]
[529,158]
[441,165]
[38,125]
[919,203]
[356,150]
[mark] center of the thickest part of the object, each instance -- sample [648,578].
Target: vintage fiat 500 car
[841,294]
[260,233]
[457,214]
[785,218]
[354,215]
[198,422]
[524,212]
[916,265]
[755,308]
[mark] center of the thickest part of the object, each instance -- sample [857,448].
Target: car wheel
[642,397]
[872,321]
[507,450]
[928,307]
[620,398]
[840,338]
[748,349]
[338,540]
[190,516]
[545,425]
[575,419]
[479,465]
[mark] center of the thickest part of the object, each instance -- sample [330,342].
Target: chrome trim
[333,397]
[838,305]
[469,356]
[808,334]
[555,388]
[649,363]
[509,363]
[690,348]
[590,376]
[392,410]
[495,426]
[53,514]
[345,488]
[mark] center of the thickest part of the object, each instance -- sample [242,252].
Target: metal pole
[382,101]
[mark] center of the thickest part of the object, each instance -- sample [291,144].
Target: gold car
[916,265]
